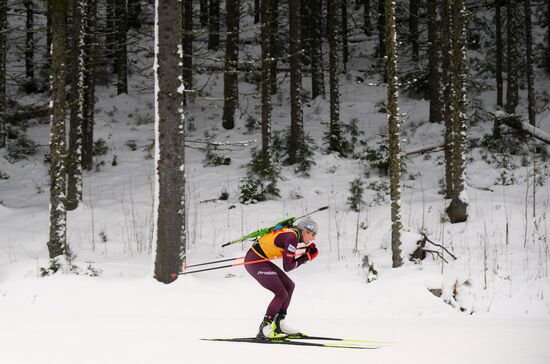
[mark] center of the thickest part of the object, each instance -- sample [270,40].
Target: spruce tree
[90,62]
[231,84]
[187,8]
[529,63]
[213,24]
[413,28]
[266,82]
[393,133]
[3,52]
[58,215]
[335,135]
[434,62]
[511,53]
[498,25]
[367,24]
[170,130]
[296,114]
[316,50]
[448,93]
[121,52]
[29,44]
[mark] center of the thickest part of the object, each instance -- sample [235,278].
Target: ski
[287,341]
[326,338]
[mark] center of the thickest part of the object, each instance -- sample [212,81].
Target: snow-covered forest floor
[495,298]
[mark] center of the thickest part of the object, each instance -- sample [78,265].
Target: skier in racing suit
[280,243]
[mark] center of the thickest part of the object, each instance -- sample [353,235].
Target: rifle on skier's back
[288,222]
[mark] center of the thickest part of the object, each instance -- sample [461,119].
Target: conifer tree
[187,8]
[121,53]
[511,55]
[393,133]
[203,17]
[213,24]
[529,63]
[296,114]
[3,52]
[334,136]
[448,93]
[498,25]
[274,43]
[170,137]
[90,62]
[367,24]
[434,62]
[231,85]
[316,50]
[344,31]
[74,157]
[29,44]
[58,215]
[413,28]
[266,81]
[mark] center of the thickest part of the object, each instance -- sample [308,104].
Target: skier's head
[308,225]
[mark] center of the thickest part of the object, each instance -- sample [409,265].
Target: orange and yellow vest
[267,244]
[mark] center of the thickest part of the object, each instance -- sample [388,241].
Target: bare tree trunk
[214,24]
[393,134]
[512,68]
[434,62]
[3,52]
[134,14]
[317,74]
[121,61]
[457,210]
[257,11]
[90,61]
[74,157]
[448,93]
[547,61]
[498,21]
[187,8]
[367,24]
[334,67]
[58,214]
[170,225]
[307,21]
[296,114]
[529,48]
[230,76]
[29,44]
[413,28]
[266,81]
[345,50]
[274,40]
[381,36]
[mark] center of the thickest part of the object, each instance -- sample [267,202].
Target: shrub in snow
[260,184]
[100,147]
[370,269]
[20,148]
[4,175]
[355,200]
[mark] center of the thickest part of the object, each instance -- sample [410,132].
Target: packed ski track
[491,305]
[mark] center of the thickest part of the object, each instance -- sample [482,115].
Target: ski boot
[280,327]
[268,330]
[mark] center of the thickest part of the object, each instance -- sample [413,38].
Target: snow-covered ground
[495,302]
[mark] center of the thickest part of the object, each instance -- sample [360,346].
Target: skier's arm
[290,242]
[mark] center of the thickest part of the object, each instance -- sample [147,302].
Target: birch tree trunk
[58,214]
[169,206]
[393,134]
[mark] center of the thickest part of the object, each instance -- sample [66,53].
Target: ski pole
[224,266]
[185,267]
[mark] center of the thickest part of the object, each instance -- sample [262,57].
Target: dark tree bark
[48,31]
[58,214]
[413,28]
[381,36]
[134,14]
[367,24]
[266,81]
[203,17]
[529,64]
[547,61]
[274,40]
[512,66]
[29,44]
[434,62]
[296,114]
[307,21]
[111,31]
[170,187]
[499,80]
[3,52]
[393,134]
[213,24]
[74,157]
[90,61]
[334,67]
[317,73]
[230,76]
[448,93]
[345,48]
[187,8]
[257,11]
[457,210]
[121,61]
